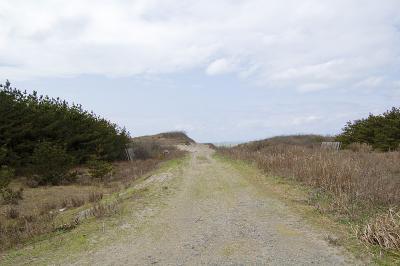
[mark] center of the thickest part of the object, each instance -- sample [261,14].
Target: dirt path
[217,217]
[212,215]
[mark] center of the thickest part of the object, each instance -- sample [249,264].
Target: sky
[227,70]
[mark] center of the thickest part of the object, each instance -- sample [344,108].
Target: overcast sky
[226,70]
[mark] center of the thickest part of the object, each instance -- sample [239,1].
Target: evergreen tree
[27,120]
[382,132]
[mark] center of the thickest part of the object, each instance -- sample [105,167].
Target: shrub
[6,174]
[11,196]
[51,163]
[8,195]
[105,209]
[99,169]
[12,213]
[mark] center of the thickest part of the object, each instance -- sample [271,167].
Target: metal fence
[334,146]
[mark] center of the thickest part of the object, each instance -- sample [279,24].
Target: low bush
[99,169]
[8,195]
[12,213]
[6,174]
[100,210]
[11,196]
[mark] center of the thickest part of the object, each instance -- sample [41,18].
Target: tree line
[382,131]
[38,133]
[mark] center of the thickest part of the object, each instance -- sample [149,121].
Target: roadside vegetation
[55,157]
[358,185]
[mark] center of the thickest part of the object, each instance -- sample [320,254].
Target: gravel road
[215,216]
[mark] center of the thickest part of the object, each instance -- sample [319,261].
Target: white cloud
[301,120]
[370,82]
[219,66]
[308,45]
[312,87]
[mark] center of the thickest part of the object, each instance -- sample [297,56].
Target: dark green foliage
[99,169]
[50,163]
[28,120]
[382,132]
[6,174]
[11,196]
[8,195]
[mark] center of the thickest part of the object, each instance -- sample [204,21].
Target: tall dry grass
[361,186]
[36,213]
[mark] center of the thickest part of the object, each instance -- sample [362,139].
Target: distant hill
[167,138]
[299,140]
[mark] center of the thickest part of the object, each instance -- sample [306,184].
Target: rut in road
[215,216]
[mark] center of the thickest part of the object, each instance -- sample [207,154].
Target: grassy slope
[301,140]
[92,232]
[167,138]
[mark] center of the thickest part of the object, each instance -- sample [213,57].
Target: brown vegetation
[356,186]
[384,231]
[35,213]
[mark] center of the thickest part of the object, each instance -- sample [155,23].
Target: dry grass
[100,210]
[12,213]
[383,231]
[36,212]
[354,186]
[95,196]
[77,202]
